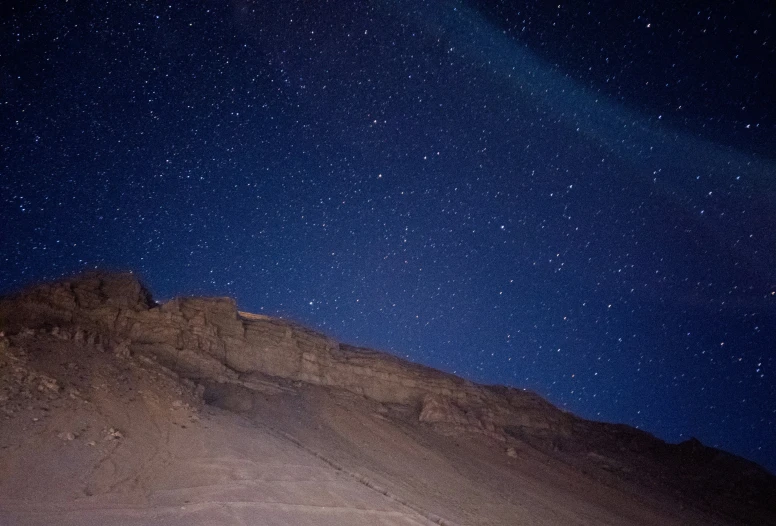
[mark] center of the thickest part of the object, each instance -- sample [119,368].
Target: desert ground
[102,424]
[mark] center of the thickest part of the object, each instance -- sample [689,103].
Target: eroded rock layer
[208,341]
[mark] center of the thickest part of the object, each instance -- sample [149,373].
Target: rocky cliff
[208,341]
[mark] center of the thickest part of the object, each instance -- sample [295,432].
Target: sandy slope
[465,479]
[117,441]
[91,437]
[115,409]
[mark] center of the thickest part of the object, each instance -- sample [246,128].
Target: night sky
[576,198]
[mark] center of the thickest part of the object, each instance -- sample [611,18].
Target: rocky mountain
[117,410]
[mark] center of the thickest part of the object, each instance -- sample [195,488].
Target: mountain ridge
[232,356]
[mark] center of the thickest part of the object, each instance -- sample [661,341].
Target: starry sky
[576,198]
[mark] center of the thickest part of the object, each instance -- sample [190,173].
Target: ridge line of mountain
[209,341]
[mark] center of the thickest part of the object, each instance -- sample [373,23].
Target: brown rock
[439,409]
[208,341]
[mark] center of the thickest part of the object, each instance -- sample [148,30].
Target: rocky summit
[117,410]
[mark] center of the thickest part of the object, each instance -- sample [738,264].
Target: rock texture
[230,354]
[207,339]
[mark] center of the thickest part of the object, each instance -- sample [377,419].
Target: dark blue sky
[578,198]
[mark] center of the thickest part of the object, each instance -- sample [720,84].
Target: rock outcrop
[210,342]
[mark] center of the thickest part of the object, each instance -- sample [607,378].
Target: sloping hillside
[116,410]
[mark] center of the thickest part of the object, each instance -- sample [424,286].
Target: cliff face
[210,342]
